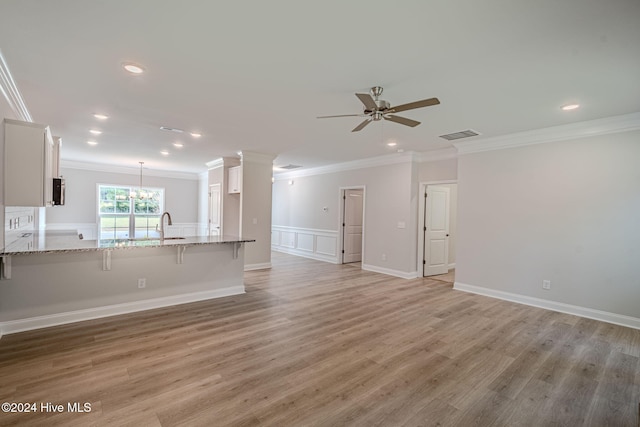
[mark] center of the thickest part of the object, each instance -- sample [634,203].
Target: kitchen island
[55,278]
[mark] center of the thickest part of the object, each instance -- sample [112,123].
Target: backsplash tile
[17,221]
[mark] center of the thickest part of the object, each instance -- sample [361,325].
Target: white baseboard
[390,272]
[451,266]
[590,313]
[21,325]
[260,266]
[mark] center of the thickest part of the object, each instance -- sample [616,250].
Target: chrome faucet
[161,230]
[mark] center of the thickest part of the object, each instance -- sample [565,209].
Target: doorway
[436,239]
[352,200]
[214,210]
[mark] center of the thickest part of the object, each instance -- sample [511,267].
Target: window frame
[133,230]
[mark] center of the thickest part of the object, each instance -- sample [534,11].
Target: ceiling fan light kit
[376,109]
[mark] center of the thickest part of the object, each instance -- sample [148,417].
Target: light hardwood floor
[316,344]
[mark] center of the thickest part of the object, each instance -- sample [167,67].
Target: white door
[214,210]
[436,231]
[352,225]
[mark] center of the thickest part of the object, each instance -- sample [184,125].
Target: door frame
[421,208]
[341,204]
[210,199]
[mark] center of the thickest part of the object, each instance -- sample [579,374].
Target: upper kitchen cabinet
[235,180]
[30,159]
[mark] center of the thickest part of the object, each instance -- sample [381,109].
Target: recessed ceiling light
[100,116]
[164,152]
[178,144]
[196,134]
[92,143]
[95,131]
[391,144]
[133,68]
[570,107]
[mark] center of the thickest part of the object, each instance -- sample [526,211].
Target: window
[129,212]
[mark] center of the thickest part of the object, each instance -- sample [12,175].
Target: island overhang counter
[59,278]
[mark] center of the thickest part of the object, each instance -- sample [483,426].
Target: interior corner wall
[563,211]
[255,211]
[388,201]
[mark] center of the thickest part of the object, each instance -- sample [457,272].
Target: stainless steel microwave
[58,191]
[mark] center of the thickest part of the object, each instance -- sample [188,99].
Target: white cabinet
[29,163]
[235,180]
[55,161]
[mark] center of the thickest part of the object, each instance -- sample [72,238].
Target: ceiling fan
[376,109]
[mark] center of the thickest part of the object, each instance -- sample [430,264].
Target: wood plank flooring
[316,344]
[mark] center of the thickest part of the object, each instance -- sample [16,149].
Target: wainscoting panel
[327,245]
[306,242]
[288,239]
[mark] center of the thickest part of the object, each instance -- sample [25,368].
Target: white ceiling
[254,75]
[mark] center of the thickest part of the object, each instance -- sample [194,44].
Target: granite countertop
[68,241]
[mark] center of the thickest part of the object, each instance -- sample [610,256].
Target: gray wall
[181,195]
[563,211]
[389,199]
[443,170]
[255,207]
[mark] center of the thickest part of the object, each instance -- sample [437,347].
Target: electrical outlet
[384,257]
[142,283]
[546,284]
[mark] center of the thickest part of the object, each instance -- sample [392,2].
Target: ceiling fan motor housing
[381,104]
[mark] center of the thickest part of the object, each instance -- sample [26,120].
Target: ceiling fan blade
[361,125]
[367,100]
[402,120]
[341,115]
[412,105]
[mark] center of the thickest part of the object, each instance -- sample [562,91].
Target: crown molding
[11,93]
[607,125]
[389,159]
[214,164]
[101,167]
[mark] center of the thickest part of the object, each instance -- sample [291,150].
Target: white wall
[181,195]
[567,212]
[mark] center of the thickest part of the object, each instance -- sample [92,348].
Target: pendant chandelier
[140,194]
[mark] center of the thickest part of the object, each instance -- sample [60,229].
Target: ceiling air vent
[289,167]
[176,130]
[459,135]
